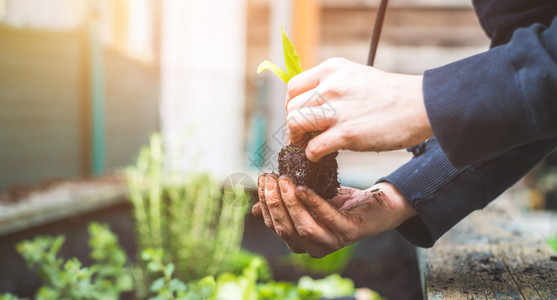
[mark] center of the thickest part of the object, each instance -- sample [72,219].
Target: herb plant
[333,263]
[107,278]
[188,216]
[165,287]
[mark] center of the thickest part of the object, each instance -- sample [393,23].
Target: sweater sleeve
[442,195]
[498,100]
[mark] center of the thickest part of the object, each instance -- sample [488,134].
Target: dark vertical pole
[379,18]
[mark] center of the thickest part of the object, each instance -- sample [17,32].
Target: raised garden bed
[495,253]
[26,207]
[386,263]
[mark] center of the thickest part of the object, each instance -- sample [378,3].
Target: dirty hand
[308,223]
[359,108]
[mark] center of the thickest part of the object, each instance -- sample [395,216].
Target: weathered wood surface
[489,255]
[64,201]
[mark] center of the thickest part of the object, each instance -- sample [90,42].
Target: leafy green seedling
[291,60]
[321,177]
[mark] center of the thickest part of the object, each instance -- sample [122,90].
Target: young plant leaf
[291,57]
[267,65]
[291,60]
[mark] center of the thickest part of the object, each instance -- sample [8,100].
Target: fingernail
[301,193]
[284,185]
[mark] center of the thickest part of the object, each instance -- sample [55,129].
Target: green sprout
[291,60]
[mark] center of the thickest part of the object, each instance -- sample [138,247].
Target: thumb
[256,211]
[326,142]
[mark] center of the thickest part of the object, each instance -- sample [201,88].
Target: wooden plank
[64,201]
[489,255]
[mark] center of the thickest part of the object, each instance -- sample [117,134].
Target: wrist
[398,208]
[419,127]
[423,129]
[407,119]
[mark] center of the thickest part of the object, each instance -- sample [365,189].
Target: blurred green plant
[188,216]
[165,287]
[244,258]
[553,242]
[332,286]
[107,278]
[9,296]
[333,263]
[246,286]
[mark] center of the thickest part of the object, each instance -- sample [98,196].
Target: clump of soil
[321,177]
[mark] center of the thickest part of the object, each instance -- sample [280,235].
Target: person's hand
[308,223]
[372,110]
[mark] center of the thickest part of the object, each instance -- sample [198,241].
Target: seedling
[321,177]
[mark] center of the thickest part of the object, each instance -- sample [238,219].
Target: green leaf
[157,285]
[153,266]
[57,244]
[267,65]
[291,60]
[291,57]
[169,269]
[177,285]
[332,286]
[147,254]
[207,285]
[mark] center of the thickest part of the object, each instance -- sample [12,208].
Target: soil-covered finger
[264,210]
[256,210]
[282,223]
[304,223]
[325,213]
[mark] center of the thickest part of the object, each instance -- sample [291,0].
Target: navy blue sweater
[494,116]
